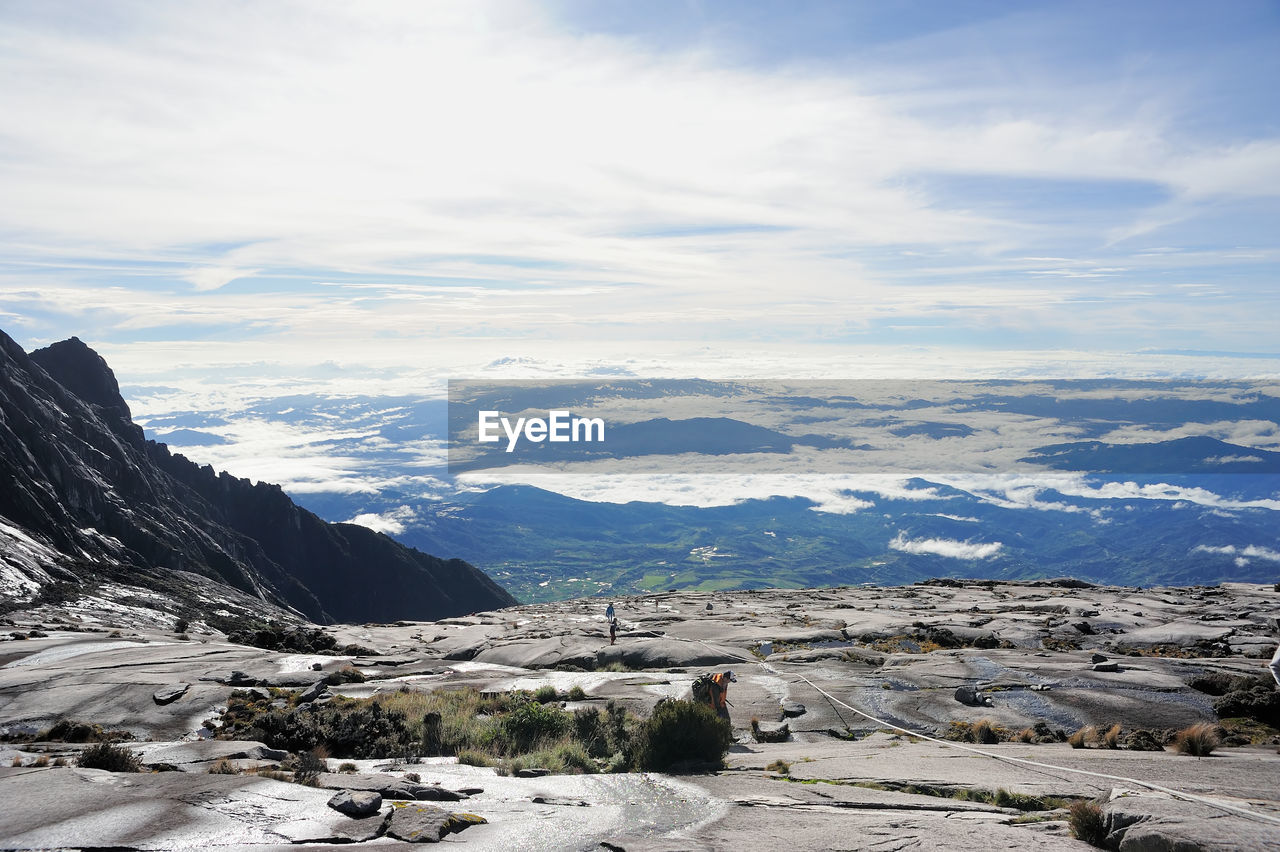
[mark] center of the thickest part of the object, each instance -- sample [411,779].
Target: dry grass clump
[1082,737]
[1198,740]
[224,767]
[779,766]
[1110,738]
[983,732]
[112,758]
[1087,822]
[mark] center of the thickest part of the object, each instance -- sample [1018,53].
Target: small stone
[315,667]
[968,695]
[532,772]
[1109,666]
[239,678]
[169,694]
[356,803]
[1098,658]
[792,709]
[557,800]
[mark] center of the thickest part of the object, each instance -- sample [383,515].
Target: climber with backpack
[713,689]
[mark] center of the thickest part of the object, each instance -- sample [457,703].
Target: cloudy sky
[382,182]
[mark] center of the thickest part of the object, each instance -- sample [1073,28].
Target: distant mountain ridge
[89,492]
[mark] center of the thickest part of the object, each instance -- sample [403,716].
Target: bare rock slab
[1143,823]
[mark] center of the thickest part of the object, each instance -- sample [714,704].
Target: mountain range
[86,498]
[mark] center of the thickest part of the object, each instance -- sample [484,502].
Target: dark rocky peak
[83,372]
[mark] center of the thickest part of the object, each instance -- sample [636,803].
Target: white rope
[949,744]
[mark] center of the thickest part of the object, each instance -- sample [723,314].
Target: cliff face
[77,475]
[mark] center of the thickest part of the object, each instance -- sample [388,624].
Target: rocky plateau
[835,688]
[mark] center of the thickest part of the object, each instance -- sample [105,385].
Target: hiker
[720,692]
[613,630]
[608,612]
[1274,665]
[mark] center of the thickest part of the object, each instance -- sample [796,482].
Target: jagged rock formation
[84,493]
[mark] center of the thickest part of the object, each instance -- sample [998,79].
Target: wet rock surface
[839,779]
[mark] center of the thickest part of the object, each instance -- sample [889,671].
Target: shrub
[779,766]
[1198,740]
[181,625]
[71,731]
[41,761]
[347,767]
[531,724]
[1250,698]
[1143,741]
[309,766]
[1026,735]
[224,767]
[682,732]
[545,694]
[1111,737]
[16,762]
[577,693]
[471,757]
[1087,823]
[113,758]
[346,674]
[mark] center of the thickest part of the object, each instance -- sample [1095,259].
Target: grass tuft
[1087,822]
[1198,740]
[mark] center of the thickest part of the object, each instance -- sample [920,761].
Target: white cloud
[558,175]
[214,277]
[1251,551]
[392,522]
[946,547]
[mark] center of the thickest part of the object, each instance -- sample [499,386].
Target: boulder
[312,692]
[532,772]
[970,696]
[169,694]
[1098,658]
[771,732]
[1108,666]
[356,803]
[791,709]
[415,823]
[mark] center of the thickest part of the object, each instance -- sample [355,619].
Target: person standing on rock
[720,692]
[608,612]
[613,630]
[1274,665]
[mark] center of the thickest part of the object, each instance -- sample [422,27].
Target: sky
[379,184]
